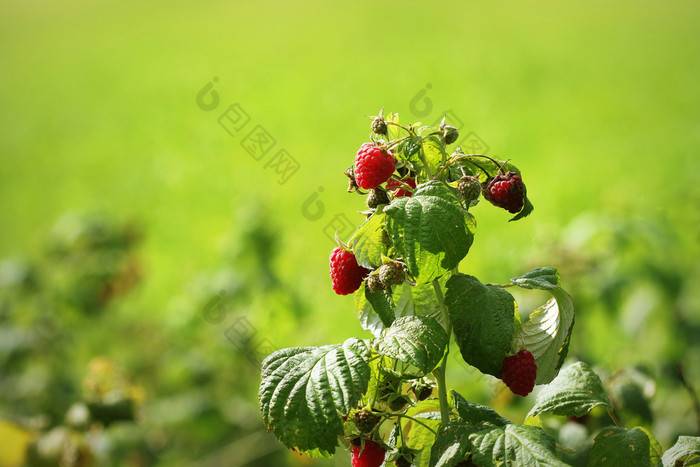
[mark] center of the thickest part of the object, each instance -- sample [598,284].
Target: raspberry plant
[385,398]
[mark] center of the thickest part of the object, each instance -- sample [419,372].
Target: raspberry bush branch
[374,396]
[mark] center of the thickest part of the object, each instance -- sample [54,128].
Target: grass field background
[598,103]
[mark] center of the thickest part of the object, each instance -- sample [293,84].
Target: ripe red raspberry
[371,456]
[401,192]
[373,166]
[346,274]
[519,372]
[506,191]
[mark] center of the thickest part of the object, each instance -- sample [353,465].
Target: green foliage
[514,444]
[418,341]
[382,303]
[685,452]
[368,242]
[305,392]
[452,445]
[546,334]
[305,389]
[476,414]
[429,230]
[573,393]
[482,316]
[620,447]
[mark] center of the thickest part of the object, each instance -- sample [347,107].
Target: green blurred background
[185,260]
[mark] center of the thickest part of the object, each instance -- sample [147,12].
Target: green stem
[441,371]
[614,418]
[415,420]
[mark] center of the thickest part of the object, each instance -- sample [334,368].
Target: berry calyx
[377,196]
[378,126]
[371,455]
[401,192]
[373,166]
[365,421]
[506,191]
[519,372]
[346,274]
[469,188]
[390,274]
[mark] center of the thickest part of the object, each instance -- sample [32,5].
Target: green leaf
[514,445]
[655,449]
[620,447]
[419,300]
[369,319]
[417,436]
[430,230]
[305,391]
[477,414]
[482,316]
[367,243]
[686,451]
[546,278]
[546,334]
[411,148]
[452,445]
[415,340]
[382,303]
[409,300]
[573,393]
[394,132]
[434,151]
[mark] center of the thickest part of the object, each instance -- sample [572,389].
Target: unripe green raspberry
[376,197]
[391,274]
[469,188]
[451,134]
[374,283]
[378,126]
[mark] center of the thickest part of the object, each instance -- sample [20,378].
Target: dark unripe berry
[374,284]
[377,196]
[469,188]
[451,134]
[378,126]
[391,274]
[402,462]
[365,421]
